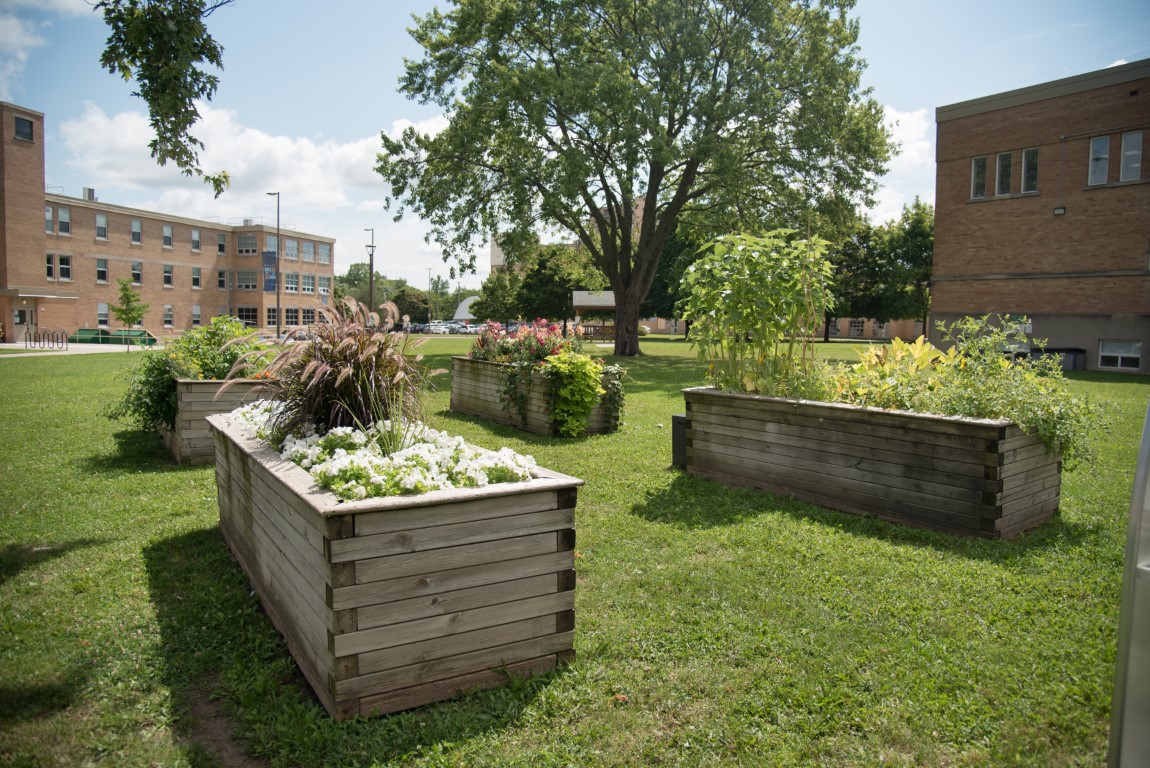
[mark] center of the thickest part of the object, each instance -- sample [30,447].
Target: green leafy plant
[353,373]
[207,352]
[753,303]
[575,386]
[987,373]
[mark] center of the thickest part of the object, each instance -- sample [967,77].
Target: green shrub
[753,304]
[575,386]
[980,376]
[204,353]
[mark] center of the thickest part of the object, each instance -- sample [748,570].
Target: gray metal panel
[1130,719]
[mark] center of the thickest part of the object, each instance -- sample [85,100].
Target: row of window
[59,267]
[59,221]
[249,315]
[1129,167]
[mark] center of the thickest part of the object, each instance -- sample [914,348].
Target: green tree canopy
[355,284]
[413,303]
[613,119]
[130,310]
[164,46]
[557,271]
[499,297]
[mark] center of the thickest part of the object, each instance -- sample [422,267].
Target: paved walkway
[73,349]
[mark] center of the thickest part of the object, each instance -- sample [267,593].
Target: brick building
[61,256]
[1042,209]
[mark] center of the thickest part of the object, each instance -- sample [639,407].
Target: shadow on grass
[696,503]
[19,702]
[15,558]
[136,451]
[215,634]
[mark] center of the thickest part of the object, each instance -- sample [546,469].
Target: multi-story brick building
[61,256]
[1042,209]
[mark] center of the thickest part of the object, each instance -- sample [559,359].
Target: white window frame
[324,253]
[169,275]
[64,221]
[168,315]
[49,221]
[247,279]
[291,282]
[307,283]
[307,251]
[222,279]
[221,243]
[101,224]
[324,285]
[1003,173]
[307,315]
[137,273]
[197,278]
[101,266]
[195,315]
[271,319]
[1134,354]
[291,249]
[291,316]
[64,267]
[137,232]
[1099,170]
[1029,168]
[1131,168]
[196,240]
[101,315]
[169,236]
[248,244]
[249,316]
[50,266]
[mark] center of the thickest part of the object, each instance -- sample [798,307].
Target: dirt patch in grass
[209,728]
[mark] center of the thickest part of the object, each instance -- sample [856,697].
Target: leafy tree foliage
[680,252]
[558,270]
[356,285]
[413,303]
[130,310]
[612,120]
[499,297]
[164,46]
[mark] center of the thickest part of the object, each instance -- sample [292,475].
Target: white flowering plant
[357,464]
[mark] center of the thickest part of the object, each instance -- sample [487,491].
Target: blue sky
[307,89]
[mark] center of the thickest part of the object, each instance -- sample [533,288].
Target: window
[834,327]
[878,330]
[48,219]
[101,226]
[856,327]
[291,249]
[291,282]
[137,272]
[272,318]
[291,316]
[308,251]
[249,315]
[273,243]
[247,244]
[222,280]
[195,315]
[196,277]
[50,263]
[308,316]
[1131,156]
[1003,166]
[23,129]
[167,315]
[101,314]
[64,221]
[65,267]
[978,177]
[325,253]
[324,285]
[1099,159]
[1030,170]
[101,270]
[169,275]
[1126,355]
[221,243]
[308,284]
[246,280]
[167,235]
[137,232]
[195,240]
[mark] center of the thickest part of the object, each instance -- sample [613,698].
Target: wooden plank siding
[974,477]
[388,604]
[191,441]
[476,387]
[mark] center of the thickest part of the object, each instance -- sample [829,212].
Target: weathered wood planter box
[976,477]
[392,603]
[476,386]
[191,441]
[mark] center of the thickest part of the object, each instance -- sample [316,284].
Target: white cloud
[1117,63]
[18,38]
[326,187]
[55,7]
[912,171]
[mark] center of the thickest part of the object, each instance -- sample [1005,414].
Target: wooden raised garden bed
[976,477]
[392,603]
[191,441]
[477,387]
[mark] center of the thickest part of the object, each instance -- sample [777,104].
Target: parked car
[439,326]
[290,337]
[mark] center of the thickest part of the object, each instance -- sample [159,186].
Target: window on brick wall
[308,316]
[1003,166]
[101,314]
[168,236]
[246,244]
[23,129]
[856,327]
[101,226]
[291,315]
[48,219]
[222,279]
[221,243]
[167,315]
[308,285]
[308,251]
[249,315]
[50,265]
[137,231]
[195,314]
[137,272]
[195,239]
[101,270]
[65,267]
[324,253]
[64,221]
[291,282]
[1131,156]
[1124,355]
[1030,170]
[1099,159]
[169,275]
[978,177]
[272,319]
[291,250]
[247,280]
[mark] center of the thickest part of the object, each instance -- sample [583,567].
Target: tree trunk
[626,326]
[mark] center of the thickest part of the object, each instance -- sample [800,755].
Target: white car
[438,326]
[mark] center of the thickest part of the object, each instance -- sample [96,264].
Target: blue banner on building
[269,271]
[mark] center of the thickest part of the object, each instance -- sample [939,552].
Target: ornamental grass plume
[354,371]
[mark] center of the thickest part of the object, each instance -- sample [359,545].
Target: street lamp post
[370,270]
[279,280]
[430,310]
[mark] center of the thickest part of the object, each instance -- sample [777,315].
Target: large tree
[547,287]
[613,119]
[499,297]
[164,46]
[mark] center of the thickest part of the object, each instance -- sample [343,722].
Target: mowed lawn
[713,626]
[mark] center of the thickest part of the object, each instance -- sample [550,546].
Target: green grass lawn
[713,626]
